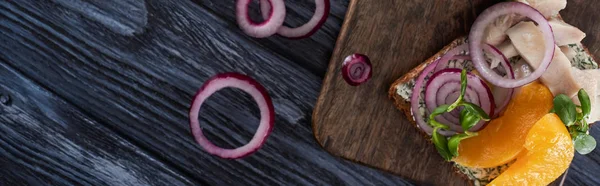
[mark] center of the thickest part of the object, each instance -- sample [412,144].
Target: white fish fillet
[548,8]
[529,42]
[590,82]
[568,51]
[495,32]
[564,33]
[521,69]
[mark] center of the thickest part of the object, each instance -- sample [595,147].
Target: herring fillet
[564,33]
[590,82]
[528,40]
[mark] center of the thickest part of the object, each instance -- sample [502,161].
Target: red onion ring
[451,94]
[453,54]
[476,35]
[437,65]
[461,57]
[451,77]
[502,96]
[247,84]
[452,118]
[260,30]
[414,101]
[309,28]
[356,69]
[452,97]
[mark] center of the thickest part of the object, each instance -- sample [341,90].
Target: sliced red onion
[451,78]
[439,64]
[461,57]
[448,94]
[502,96]
[453,54]
[247,84]
[414,102]
[313,25]
[356,69]
[450,99]
[260,30]
[476,42]
[455,114]
[451,94]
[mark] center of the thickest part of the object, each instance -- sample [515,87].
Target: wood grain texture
[46,137]
[108,84]
[312,53]
[361,124]
[99,93]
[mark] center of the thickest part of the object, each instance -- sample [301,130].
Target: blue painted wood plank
[47,140]
[137,78]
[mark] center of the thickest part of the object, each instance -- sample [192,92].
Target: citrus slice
[503,138]
[549,152]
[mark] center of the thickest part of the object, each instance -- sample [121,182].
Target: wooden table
[96,92]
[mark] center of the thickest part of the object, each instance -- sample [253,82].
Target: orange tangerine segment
[549,154]
[503,138]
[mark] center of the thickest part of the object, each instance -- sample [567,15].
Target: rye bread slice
[404,105]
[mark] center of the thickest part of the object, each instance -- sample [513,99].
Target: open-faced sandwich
[510,103]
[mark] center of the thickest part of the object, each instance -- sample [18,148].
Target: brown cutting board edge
[360,123]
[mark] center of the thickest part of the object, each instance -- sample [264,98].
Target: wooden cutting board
[361,123]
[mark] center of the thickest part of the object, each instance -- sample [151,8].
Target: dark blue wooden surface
[99,90]
[96,92]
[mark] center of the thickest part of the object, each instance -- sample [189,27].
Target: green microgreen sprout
[575,119]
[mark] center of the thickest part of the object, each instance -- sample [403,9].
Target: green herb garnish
[470,107]
[576,121]
[584,143]
[470,115]
[565,109]
[437,111]
[463,90]
[455,141]
[584,99]
[441,144]
[468,119]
